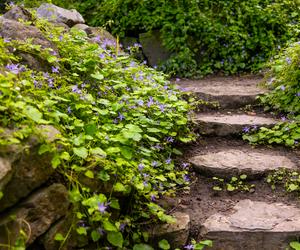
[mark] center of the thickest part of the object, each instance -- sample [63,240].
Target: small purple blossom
[168,161]
[141,167]
[13,68]
[154,164]
[140,102]
[69,110]
[101,231]
[76,90]
[122,227]
[177,79]
[121,117]
[246,129]
[97,39]
[55,69]
[283,118]
[102,56]
[101,207]
[132,64]
[153,198]
[186,178]
[288,60]
[150,102]
[185,165]
[170,139]
[282,87]
[189,247]
[297,94]
[158,147]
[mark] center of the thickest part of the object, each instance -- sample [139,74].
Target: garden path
[256,219]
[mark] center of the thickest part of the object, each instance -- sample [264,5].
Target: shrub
[118,121]
[205,36]
[283,79]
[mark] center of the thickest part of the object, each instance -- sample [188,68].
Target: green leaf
[44,148]
[293,187]
[89,174]
[1,195]
[51,59]
[97,76]
[126,152]
[142,247]
[243,177]
[295,245]
[55,162]
[95,236]
[115,238]
[230,188]
[114,203]
[98,151]
[90,129]
[81,152]
[164,244]
[81,231]
[108,226]
[59,237]
[33,114]
[119,187]
[103,175]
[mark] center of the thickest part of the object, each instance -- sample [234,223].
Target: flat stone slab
[253,225]
[229,92]
[224,125]
[233,162]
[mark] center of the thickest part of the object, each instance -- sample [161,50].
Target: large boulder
[56,14]
[14,30]
[35,215]
[24,172]
[153,48]
[18,13]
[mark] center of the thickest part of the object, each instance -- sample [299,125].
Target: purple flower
[288,60]
[185,165]
[282,87]
[283,118]
[76,90]
[13,68]
[154,164]
[6,40]
[102,56]
[298,94]
[137,45]
[69,110]
[132,64]
[189,247]
[101,231]
[101,207]
[170,139]
[55,69]
[46,75]
[168,161]
[122,227]
[177,80]
[141,167]
[153,198]
[150,102]
[246,129]
[186,178]
[140,102]
[97,39]
[157,146]
[121,117]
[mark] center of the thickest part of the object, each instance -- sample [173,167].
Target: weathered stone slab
[232,162]
[224,125]
[229,92]
[29,170]
[35,215]
[153,48]
[253,225]
[56,14]
[18,13]
[177,233]
[5,172]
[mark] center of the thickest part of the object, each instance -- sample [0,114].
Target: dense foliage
[283,79]
[118,122]
[205,36]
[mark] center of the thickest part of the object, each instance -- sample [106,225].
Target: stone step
[230,124]
[253,225]
[229,162]
[229,92]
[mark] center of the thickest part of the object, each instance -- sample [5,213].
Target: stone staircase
[260,220]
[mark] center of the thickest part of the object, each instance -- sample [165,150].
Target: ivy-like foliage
[118,121]
[283,80]
[204,36]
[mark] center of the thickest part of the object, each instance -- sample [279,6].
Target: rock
[56,14]
[153,49]
[5,172]
[18,13]
[35,215]
[29,170]
[253,225]
[13,30]
[229,92]
[74,241]
[233,162]
[176,234]
[224,125]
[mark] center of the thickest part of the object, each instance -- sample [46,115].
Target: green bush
[118,121]
[205,36]
[283,80]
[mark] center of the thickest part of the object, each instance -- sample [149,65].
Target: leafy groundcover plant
[284,81]
[118,122]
